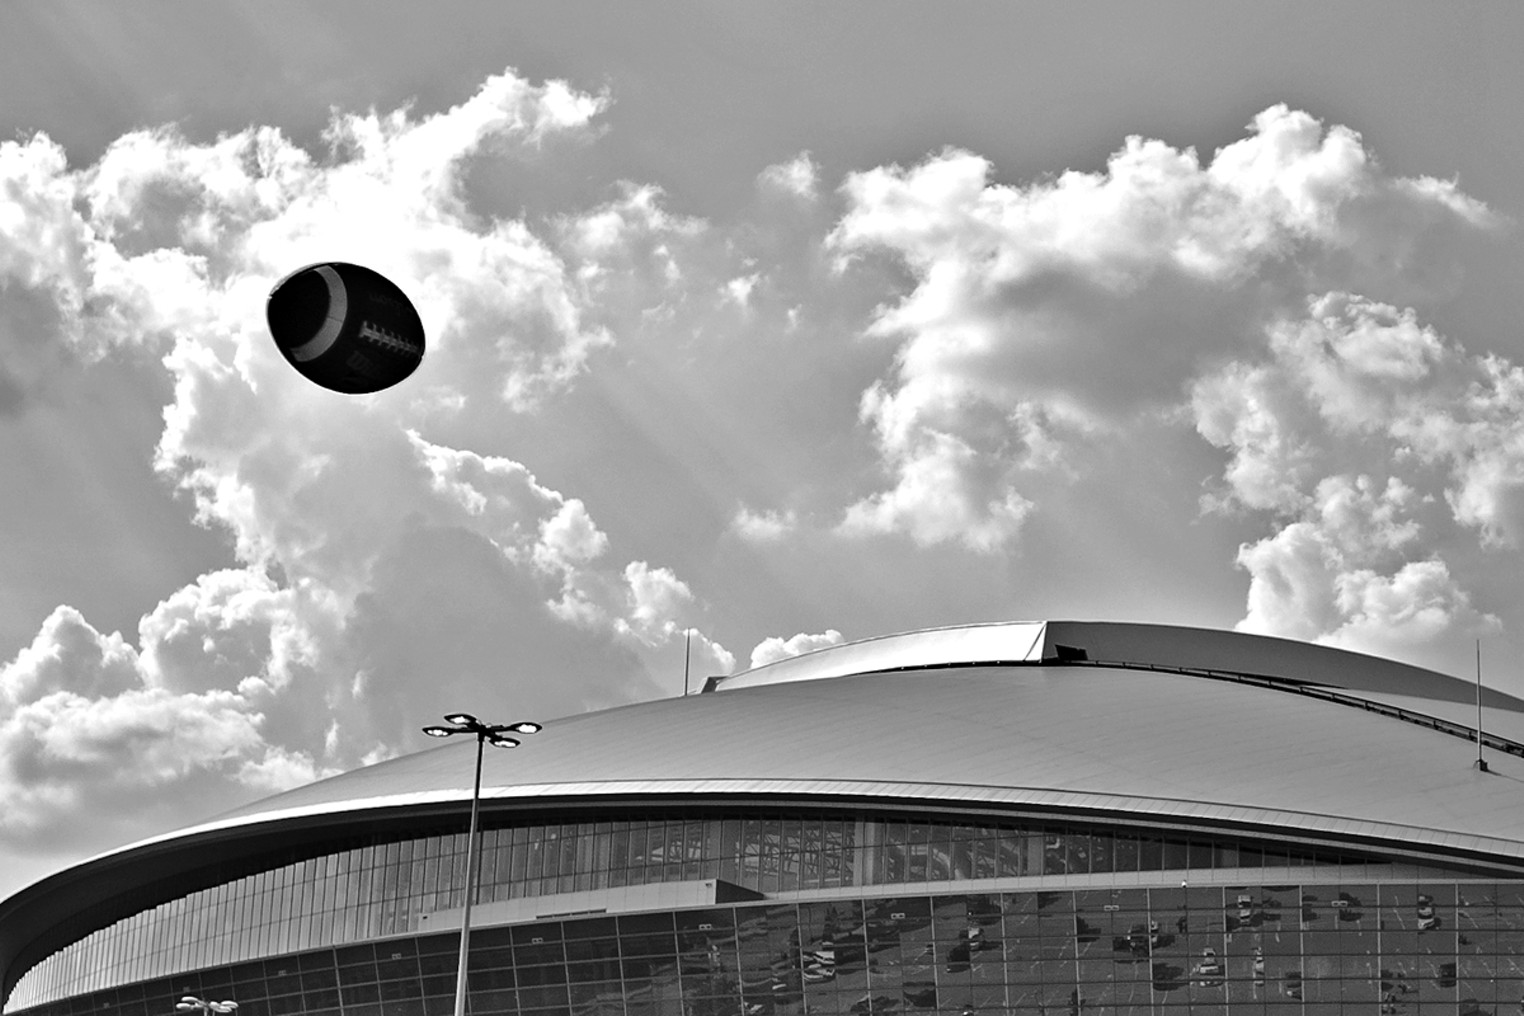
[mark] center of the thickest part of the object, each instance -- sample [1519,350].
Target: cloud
[1045,317]
[89,729]
[655,597]
[69,655]
[1305,584]
[386,571]
[773,649]
[799,177]
[740,288]
[1361,559]
[227,628]
[948,491]
[763,526]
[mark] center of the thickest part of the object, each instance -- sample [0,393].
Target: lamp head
[500,741]
[437,731]
[460,719]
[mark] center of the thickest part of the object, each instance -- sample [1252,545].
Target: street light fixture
[497,735]
[191,1003]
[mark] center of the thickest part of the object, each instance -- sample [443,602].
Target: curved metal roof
[1121,643]
[1109,734]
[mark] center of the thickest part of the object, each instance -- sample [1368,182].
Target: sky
[781,324]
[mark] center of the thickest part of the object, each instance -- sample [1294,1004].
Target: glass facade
[384,888]
[1306,949]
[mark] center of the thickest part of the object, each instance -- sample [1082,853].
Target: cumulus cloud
[384,574]
[1358,560]
[88,729]
[1272,296]
[655,596]
[1048,316]
[774,648]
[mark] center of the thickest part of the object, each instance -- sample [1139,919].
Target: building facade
[1054,819]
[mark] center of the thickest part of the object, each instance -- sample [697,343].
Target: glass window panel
[1012,858]
[486,863]
[1125,853]
[769,860]
[602,847]
[550,853]
[984,853]
[751,850]
[1102,851]
[1077,852]
[646,840]
[850,859]
[502,865]
[918,845]
[730,849]
[430,899]
[619,845]
[892,856]
[585,863]
[519,865]
[1054,855]
[567,865]
[647,844]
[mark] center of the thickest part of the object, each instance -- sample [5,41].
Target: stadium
[1053,818]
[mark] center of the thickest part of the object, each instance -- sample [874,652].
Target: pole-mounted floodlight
[497,735]
[190,1003]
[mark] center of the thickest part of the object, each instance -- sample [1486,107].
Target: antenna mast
[688,641]
[1481,764]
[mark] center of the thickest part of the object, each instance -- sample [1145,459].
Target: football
[345,327]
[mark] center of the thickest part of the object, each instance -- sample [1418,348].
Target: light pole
[191,1002]
[497,735]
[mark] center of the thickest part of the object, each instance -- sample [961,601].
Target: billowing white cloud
[656,597]
[1361,560]
[948,491]
[1271,296]
[227,628]
[386,571]
[1047,316]
[774,648]
[88,729]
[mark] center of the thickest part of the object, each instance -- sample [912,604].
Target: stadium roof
[1216,726]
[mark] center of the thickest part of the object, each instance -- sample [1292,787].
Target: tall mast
[1481,764]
